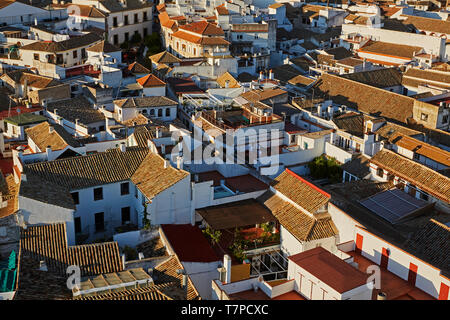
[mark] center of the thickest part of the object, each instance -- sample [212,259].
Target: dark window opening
[75,197]
[77,222]
[126,217]
[98,194]
[99,221]
[124,188]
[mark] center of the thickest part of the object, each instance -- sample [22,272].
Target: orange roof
[161,7]
[422,148]
[222,10]
[165,20]
[199,40]
[151,81]
[204,28]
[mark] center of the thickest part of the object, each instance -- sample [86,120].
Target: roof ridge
[440,224]
[292,173]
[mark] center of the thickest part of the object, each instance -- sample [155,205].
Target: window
[424,117]
[75,197]
[36,56]
[424,196]
[116,39]
[101,128]
[159,112]
[75,54]
[239,36]
[127,36]
[99,221]
[145,32]
[77,222]
[145,16]
[416,156]
[126,215]
[136,20]
[98,194]
[152,112]
[445,119]
[115,22]
[380,172]
[83,53]
[124,188]
[126,20]
[167,112]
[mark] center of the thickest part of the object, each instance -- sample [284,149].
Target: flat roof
[236,214]
[189,243]
[330,269]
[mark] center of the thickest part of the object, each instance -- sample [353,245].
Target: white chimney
[261,76]
[166,164]
[122,147]
[158,132]
[180,163]
[149,143]
[227,266]
[48,151]
[270,74]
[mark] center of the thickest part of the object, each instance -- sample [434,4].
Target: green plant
[322,167]
[145,220]
[153,43]
[214,236]
[136,38]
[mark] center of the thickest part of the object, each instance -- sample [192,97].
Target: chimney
[180,163]
[23,177]
[149,143]
[196,177]
[270,74]
[122,147]
[166,164]
[261,76]
[48,151]
[227,266]
[50,129]
[158,132]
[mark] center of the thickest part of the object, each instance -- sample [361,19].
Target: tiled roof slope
[425,178]
[151,177]
[366,98]
[434,153]
[136,67]
[49,243]
[432,243]
[9,192]
[301,225]
[77,108]
[91,170]
[58,139]
[145,102]
[164,57]
[204,28]
[167,272]
[147,293]
[385,48]
[380,78]
[65,45]
[428,24]
[150,81]
[300,191]
[103,46]
[232,82]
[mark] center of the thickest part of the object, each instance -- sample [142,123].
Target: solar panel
[393,205]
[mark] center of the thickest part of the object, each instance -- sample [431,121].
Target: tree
[153,43]
[322,167]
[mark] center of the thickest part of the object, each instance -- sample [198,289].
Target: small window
[75,54]
[126,215]
[126,20]
[98,194]
[75,197]
[136,20]
[159,112]
[127,36]
[445,119]
[115,22]
[36,56]
[416,156]
[167,112]
[77,222]
[152,112]
[424,117]
[124,188]
[380,172]
[424,196]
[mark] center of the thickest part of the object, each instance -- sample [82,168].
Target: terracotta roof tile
[58,139]
[164,57]
[301,225]
[303,193]
[425,178]
[203,28]
[232,82]
[9,193]
[428,24]
[150,81]
[391,49]
[146,293]
[151,177]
